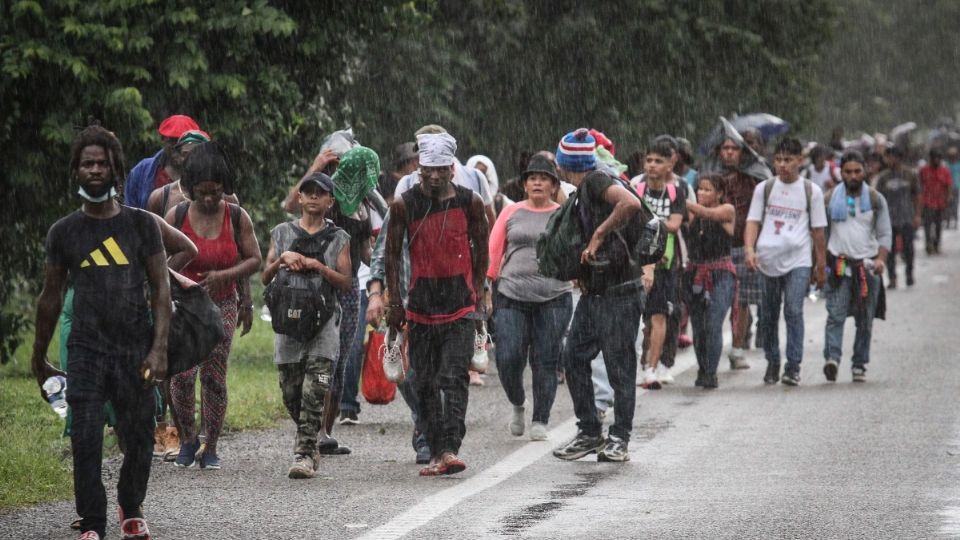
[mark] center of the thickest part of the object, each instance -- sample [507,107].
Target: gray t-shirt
[326,344]
[899,188]
[513,255]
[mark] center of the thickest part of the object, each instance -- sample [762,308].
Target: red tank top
[216,254]
[441,263]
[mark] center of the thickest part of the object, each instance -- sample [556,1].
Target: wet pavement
[823,460]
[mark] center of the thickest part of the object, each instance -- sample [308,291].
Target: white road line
[435,505]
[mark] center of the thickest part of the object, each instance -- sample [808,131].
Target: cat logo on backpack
[293,313]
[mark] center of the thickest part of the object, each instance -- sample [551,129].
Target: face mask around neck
[105,196]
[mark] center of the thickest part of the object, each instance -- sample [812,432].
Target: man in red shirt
[935,183]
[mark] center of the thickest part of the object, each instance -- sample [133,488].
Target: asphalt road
[823,460]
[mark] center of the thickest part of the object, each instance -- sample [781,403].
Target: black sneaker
[614,450]
[700,376]
[580,446]
[710,381]
[349,418]
[830,370]
[859,374]
[791,377]
[773,373]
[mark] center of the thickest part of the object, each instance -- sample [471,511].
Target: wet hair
[208,163]
[820,152]
[662,147]
[790,146]
[96,135]
[894,151]
[715,179]
[852,155]
[936,154]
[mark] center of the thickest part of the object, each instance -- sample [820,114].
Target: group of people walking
[442,257]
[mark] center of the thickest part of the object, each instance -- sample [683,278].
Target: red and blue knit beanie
[577,151]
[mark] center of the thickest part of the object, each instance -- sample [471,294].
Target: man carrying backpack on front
[608,315]
[859,241]
[312,255]
[786,216]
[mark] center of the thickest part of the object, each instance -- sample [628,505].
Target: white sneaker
[663,374]
[517,422]
[648,380]
[538,431]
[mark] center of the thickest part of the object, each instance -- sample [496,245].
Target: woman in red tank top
[223,258]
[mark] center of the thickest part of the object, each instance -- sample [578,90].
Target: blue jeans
[606,323]
[706,318]
[351,374]
[838,304]
[531,330]
[790,288]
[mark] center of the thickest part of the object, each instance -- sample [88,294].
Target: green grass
[35,462]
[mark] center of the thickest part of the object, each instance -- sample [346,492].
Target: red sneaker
[133,528]
[684,341]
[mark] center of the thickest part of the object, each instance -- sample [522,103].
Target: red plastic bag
[374,385]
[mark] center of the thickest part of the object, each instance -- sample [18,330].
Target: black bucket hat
[543,165]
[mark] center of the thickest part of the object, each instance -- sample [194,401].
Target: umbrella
[768,125]
[902,129]
[751,164]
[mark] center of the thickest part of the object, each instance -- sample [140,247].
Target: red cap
[604,141]
[176,125]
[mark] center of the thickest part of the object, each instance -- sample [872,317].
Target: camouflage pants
[304,385]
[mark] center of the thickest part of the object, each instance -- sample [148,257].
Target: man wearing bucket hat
[160,169]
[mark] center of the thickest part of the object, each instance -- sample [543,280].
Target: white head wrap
[437,149]
[491,173]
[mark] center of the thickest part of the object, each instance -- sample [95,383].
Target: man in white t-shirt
[786,217]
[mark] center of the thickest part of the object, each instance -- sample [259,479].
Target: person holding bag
[305,362]
[223,259]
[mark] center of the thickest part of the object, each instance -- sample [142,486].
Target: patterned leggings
[213,385]
[350,306]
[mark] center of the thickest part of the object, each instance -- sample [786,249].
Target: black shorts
[663,294]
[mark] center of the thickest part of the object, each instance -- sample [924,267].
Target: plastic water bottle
[812,293]
[56,390]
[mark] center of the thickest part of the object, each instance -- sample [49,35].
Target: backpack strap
[180,214]
[768,189]
[164,199]
[235,215]
[672,192]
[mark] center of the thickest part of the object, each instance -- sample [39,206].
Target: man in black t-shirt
[607,317]
[668,204]
[108,252]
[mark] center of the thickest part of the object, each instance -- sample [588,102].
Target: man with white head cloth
[446,228]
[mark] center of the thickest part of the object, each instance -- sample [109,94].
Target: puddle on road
[515,524]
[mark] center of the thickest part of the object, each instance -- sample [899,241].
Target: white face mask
[102,198]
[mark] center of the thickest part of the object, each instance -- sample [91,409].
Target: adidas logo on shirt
[113,249]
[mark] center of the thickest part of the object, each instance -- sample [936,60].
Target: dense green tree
[259,75]
[506,76]
[891,62]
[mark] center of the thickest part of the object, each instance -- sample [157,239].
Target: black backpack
[301,303]
[196,325]
[641,241]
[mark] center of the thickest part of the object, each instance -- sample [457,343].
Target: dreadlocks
[96,135]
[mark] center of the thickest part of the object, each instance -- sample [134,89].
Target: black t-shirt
[106,263]
[596,279]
